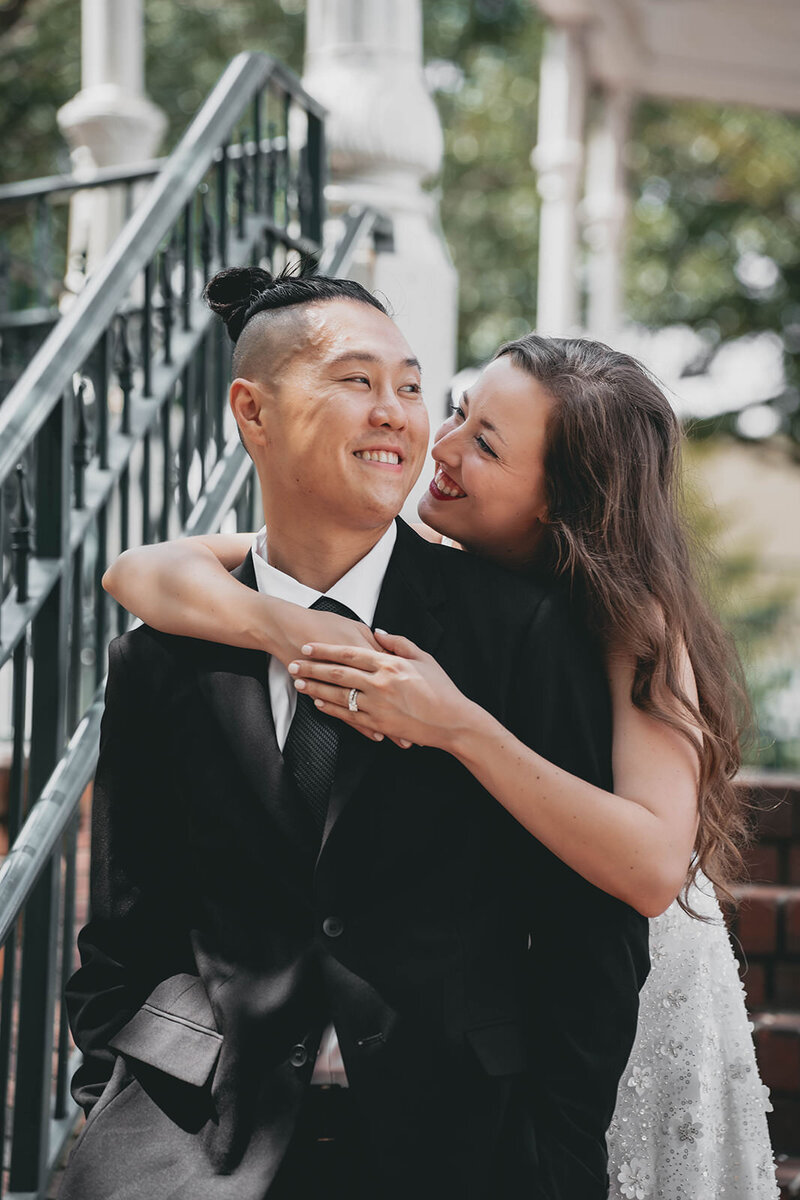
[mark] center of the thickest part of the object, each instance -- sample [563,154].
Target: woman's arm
[635,844]
[184,587]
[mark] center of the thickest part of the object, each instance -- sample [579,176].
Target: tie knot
[325,604]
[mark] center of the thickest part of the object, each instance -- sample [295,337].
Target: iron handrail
[38,390]
[26,190]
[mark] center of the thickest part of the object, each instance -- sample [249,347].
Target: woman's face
[488,492]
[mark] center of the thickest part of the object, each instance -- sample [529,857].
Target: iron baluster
[167,316]
[147,455]
[123,366]
[147,330]
[206,233]
[82,445]
[222,206]
[101,400]
[188,263]
[67,965]
[186,444]
[241,191]
[166,468]
[101,600]
[21,536]
[315,163]
[38,987]
[257,153]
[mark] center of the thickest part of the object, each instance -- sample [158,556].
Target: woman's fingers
[359,721]
[359,657]
[328,692]
[396,644]
[325,672]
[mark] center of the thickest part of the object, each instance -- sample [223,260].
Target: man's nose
[388,409]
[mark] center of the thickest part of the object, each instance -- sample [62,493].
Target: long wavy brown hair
[615,532]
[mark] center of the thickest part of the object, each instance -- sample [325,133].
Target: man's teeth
[384,456]
[446,488]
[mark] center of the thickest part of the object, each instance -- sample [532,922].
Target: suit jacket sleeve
[135,936]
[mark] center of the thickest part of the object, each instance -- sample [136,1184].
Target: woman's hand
[300,626]
[403,694]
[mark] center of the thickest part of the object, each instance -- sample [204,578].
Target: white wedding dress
[690,1120]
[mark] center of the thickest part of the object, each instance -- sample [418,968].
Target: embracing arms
[184,587]
[634,843]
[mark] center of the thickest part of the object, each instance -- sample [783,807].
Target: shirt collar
[359,589]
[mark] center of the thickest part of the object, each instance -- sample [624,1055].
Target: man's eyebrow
[365,356]
[483,422]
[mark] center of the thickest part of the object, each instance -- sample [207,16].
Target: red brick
[763,863]
[755,984]
[784,1124]
[757,917]
[778,1054]
[786,986]
[792,919]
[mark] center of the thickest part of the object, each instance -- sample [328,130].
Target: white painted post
[604,212]
[384,138]
[558,158]
[109,122]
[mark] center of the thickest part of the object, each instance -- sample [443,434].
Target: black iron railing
[118,433]
[34,253]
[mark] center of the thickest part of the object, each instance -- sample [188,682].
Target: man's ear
[247,400]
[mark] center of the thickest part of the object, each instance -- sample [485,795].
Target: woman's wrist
[466,723]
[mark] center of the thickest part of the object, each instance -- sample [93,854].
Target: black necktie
[312,743]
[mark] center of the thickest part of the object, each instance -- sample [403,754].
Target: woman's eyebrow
[483,422]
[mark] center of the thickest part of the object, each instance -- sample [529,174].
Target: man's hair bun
[231,293]
[238,293]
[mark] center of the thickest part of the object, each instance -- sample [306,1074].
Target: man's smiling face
[345,428]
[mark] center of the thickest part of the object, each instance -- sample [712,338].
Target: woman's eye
[457,411]
[484,445]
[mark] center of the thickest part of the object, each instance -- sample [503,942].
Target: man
[280,906]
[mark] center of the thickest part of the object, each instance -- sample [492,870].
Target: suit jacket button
[299,1055]
[332,926]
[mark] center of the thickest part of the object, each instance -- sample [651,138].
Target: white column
[109,122]
[558,159]
[364,63]
[604,211]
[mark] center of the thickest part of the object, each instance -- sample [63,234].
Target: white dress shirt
[359,590]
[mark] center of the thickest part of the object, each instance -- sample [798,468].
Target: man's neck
[317,558]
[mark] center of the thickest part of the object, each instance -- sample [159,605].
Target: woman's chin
[434,515]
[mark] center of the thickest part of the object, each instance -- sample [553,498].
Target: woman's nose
[446,447]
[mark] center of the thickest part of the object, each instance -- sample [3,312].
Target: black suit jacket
[485,996]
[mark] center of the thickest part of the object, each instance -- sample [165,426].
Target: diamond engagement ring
[352,699]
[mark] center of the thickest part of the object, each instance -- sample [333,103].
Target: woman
[563,459]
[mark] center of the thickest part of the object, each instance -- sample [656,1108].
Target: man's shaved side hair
[265,315]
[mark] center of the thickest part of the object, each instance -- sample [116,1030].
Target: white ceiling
[730,51]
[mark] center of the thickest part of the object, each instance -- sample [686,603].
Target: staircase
[117,432]
[766,929]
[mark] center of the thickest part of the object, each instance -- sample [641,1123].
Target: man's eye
[415,388]
[357,379]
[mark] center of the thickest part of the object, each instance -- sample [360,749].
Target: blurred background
[698,202]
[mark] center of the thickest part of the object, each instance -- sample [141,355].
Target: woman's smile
[443,487]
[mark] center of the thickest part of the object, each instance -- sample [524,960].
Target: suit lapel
[410,598]
[234,684]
